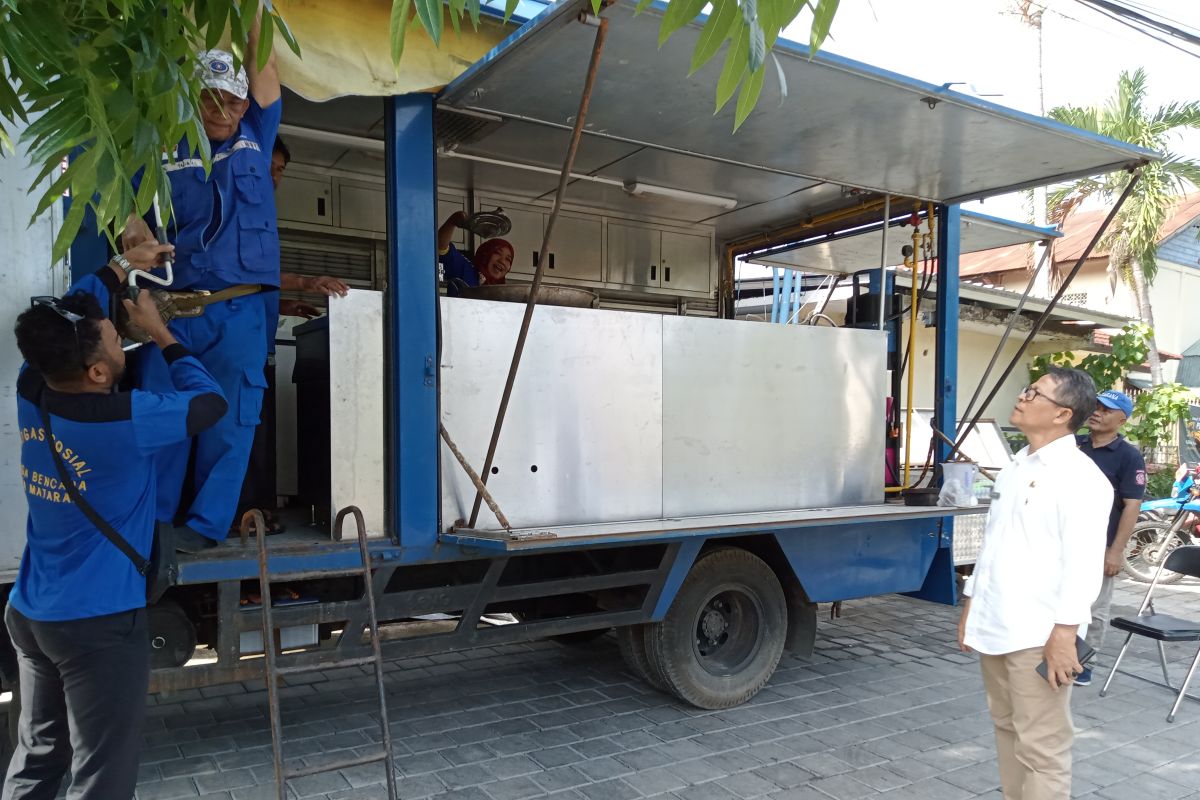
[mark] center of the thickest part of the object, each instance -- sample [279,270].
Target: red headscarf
[484,253]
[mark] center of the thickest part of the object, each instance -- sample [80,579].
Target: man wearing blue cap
[1125,469]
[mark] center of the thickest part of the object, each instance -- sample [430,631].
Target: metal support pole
[576,133]
[946,326]
[883,259]
[788,277]
[775,287]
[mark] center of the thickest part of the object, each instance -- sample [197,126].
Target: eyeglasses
[52,303]
[1031,393]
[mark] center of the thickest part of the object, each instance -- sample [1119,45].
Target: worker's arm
[962,625]
[1114,557]
[314,284]
[264,83]
[446,232]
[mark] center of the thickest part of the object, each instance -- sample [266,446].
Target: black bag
[161,570]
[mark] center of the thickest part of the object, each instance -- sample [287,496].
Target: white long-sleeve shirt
[1043,549]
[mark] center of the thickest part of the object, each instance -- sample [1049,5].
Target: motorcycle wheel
[1148,546]
[1155,515]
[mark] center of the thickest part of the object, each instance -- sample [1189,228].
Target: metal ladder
[271,645]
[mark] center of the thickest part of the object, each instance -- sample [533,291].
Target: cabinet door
[362,207]
[633,255]
[447,206]
[575,251]
[305,199]
[525,236]
[686,262]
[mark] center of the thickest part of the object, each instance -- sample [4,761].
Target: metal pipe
[255,517]
[883,254]
[475,481]
[576,133]
[1045,315]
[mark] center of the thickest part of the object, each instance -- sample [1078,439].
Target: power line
[1139,22]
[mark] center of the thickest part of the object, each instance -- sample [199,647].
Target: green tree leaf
[735,63]
[678,14]
[429,12]
[399,27]
[748,97]
[716,30]
[823,14]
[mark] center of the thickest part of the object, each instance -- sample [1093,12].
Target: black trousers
[83,700]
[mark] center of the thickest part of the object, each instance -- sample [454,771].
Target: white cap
[216,72]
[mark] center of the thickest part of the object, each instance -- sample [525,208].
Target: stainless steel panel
[526,233]
[361,206]
[577,249]
[356,380]
[847,123]
[686,262]
[861,251]
[305,199]
[586,413]
[447,205]
[770,417]
[633,255]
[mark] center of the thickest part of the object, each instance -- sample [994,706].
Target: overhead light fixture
[638,189]
[349,141]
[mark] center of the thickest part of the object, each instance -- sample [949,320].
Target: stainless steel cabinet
[686,262]
[305,198]
[640,256]
[361,206]
[575,251]
[633,255]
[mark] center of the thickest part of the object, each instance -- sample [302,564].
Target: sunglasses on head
[53,303]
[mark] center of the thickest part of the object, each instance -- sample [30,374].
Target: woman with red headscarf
[492,261]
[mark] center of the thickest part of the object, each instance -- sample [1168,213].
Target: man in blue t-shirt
[225,235]
[76,615]
[1123,465]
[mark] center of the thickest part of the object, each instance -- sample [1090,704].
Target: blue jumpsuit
[224,232]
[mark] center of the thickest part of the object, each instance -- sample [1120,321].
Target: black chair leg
[1116,665]
[1183,689]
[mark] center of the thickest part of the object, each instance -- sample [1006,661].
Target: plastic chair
[1163,627]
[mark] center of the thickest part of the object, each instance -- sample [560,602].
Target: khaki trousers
[1033,727]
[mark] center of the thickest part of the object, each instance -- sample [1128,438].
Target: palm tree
[1132,241]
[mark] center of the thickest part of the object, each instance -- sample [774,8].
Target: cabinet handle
[320,206]
[653,272]
[552,261]
[667,274]
[535,259]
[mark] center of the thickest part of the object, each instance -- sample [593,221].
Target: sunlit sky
[984,43]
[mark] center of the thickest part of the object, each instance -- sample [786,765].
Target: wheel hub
[713,624]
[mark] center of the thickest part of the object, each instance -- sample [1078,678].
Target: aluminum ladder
[273,672]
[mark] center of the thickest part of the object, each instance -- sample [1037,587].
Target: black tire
[172,635]
[1148,546]
[631,641]
[724,634]
[1155,515]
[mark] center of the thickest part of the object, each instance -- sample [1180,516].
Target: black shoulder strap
[119,541]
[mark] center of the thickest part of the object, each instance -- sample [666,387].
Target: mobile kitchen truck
[696,482]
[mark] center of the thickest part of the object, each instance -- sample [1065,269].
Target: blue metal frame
[412,302]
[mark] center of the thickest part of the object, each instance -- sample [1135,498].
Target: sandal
[272,522]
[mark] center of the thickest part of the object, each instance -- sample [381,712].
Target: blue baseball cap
[1118,400]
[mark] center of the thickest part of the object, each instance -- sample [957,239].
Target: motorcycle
[1164,525]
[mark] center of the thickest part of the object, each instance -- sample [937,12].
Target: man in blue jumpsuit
[225,236]
[76,615]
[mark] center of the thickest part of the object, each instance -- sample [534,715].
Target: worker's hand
[962,627]
[1062,663]
[136,232]
[457,219]
[1114,561]
[298,308]
[149,254]
[145,315]
[324,284]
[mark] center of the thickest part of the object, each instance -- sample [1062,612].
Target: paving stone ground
[886,708]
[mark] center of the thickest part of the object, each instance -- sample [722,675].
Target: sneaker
[1084,678]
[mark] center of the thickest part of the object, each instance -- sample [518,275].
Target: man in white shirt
[1034,583]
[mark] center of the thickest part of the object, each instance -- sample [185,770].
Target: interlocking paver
[887,708]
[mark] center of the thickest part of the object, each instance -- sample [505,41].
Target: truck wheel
[631,641]
[724,634]
[172,635]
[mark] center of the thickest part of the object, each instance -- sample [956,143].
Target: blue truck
[695,481]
